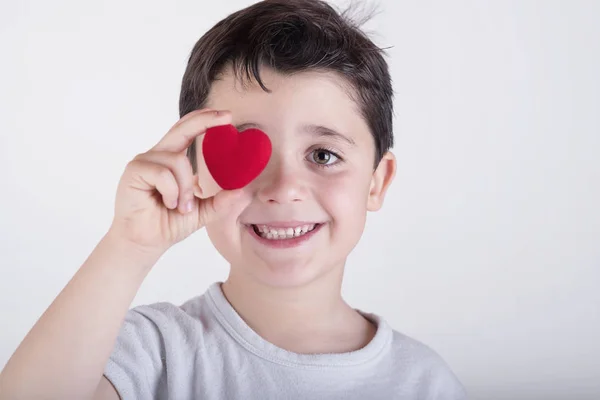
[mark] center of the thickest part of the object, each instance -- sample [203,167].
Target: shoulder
[166,312]
[426,368]
[151,337]
[406,348]
[163,320]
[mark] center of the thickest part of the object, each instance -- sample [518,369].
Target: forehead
[299,99]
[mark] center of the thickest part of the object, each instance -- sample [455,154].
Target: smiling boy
[278,327]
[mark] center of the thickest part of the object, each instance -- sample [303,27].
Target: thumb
[224,202]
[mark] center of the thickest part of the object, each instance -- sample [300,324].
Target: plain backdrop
[488,246]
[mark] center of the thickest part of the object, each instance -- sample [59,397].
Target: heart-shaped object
[235,158]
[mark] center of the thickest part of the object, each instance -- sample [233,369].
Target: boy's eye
[323,157]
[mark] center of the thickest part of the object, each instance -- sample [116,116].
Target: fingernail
[189,205]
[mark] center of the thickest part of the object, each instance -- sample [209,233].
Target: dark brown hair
[293,36]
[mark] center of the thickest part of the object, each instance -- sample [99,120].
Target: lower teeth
[270,236]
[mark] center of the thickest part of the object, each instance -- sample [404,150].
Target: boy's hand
[155,204]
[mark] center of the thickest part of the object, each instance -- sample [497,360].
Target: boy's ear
[381,180]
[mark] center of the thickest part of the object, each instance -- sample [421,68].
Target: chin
[282,273]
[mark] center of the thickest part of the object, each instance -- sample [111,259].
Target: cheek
[344,198]
[345,195]
[223,235]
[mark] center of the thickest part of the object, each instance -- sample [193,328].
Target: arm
[106,391]
[66,351]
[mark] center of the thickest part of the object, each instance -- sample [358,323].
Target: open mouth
[273,233]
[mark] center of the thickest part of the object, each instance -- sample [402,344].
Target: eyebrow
[315,130]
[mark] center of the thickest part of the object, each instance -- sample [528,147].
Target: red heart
[235,159]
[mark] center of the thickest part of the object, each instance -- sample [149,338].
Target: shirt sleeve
[446,386]
[431,376]
[440,382]
[136,364]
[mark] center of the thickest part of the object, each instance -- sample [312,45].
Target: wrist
[132,255]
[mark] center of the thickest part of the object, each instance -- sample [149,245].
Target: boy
[278,327]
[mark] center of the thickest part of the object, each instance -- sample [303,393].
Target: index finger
[181,135]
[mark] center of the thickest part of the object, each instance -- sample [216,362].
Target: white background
[488,247]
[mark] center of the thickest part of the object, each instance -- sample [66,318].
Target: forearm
[65,353]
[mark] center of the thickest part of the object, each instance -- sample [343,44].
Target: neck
[312,318]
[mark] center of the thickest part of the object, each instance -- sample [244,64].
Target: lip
[285,243]
[284,224]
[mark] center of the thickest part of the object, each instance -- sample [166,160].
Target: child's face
[304,184]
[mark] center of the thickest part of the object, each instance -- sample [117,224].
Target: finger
[148,176]
[200,191]
[181,168]
[192,114]
[180,136]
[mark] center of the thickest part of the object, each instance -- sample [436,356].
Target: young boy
[277,328]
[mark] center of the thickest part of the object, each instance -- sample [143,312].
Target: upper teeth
[283,233]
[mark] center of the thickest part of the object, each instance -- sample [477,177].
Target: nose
[281,183]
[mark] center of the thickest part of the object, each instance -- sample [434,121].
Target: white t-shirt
[204,350]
